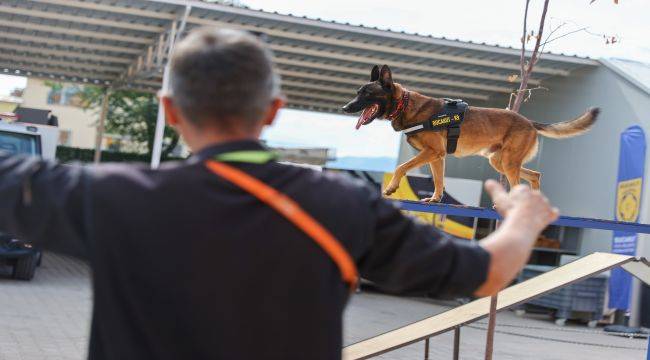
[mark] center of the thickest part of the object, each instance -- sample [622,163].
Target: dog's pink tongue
[365,115]
[359,122]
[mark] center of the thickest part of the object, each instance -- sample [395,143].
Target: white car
[30,139]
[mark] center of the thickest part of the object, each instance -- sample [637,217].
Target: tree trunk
[167,150]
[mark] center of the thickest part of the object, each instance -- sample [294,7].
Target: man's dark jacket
[188,266]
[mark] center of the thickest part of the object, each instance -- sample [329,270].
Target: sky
[8,83]
[493,22]
[302,128]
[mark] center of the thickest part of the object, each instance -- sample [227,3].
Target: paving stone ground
[49,318]
[527,337]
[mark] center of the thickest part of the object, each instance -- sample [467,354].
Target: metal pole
[101,126]
[492,322]
[474,226]
[160,124]
[456,342]
[489,343]
[426,349]
[160,120]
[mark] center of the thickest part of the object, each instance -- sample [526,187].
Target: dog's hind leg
[532,177]
[495,161]
[438,171]
[418,160]
[518,147]
[511,165]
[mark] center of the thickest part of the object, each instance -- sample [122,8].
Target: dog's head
[374,97]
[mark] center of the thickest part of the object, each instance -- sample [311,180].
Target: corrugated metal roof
[636,72]
[124,43]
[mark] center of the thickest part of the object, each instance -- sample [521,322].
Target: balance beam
[562,276]
[484,213]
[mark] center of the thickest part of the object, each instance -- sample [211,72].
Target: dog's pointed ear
[385,77]
[374,73]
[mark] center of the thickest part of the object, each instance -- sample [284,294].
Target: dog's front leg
[420,159]
[438,172]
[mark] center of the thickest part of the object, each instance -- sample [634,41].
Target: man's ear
[385,77]
[171,113]
[272,112]
[374,73]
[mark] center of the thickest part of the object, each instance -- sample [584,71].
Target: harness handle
[292,212]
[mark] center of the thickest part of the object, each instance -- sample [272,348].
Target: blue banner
[631,165]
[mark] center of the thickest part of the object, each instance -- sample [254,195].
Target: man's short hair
[223,78]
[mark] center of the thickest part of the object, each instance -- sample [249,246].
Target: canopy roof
[124,43]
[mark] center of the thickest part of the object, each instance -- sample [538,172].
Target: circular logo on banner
[628,209]
[628,196]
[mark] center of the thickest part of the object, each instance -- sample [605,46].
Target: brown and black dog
[506,138]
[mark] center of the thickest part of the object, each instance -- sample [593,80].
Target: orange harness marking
[292,212]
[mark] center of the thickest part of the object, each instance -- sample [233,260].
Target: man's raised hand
[523,202]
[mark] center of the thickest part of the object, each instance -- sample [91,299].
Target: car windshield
[16,143]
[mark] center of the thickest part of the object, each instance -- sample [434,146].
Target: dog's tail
[566,129]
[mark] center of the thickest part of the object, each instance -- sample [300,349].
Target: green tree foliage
[131,114]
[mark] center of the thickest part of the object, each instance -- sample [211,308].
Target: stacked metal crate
[582,300]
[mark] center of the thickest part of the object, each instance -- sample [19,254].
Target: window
[65,137]
[64,95]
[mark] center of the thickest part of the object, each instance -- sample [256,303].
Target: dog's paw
[388,191]
[432,199]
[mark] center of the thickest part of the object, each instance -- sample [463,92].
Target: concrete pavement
[49,318]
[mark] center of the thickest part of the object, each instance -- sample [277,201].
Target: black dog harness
[450,118]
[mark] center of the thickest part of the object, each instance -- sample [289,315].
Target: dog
[505,137]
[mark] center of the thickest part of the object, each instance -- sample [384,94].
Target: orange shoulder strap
[294,213]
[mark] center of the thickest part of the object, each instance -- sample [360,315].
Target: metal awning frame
[126,44]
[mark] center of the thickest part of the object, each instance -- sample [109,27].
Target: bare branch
[527,71]
[541,51]
[534,56]
[523,94]
[522,60]
[563,35]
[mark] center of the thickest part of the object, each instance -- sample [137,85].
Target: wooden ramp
[519,293]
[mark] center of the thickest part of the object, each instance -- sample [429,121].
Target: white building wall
[579,174]
[80,123]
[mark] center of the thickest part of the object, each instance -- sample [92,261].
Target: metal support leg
[101,126]
[489,343]
[456,343]
[160,124]
[426,349]
[160,121]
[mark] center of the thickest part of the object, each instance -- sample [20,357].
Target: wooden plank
[537,286]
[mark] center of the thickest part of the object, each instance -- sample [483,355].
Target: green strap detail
[247,156]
